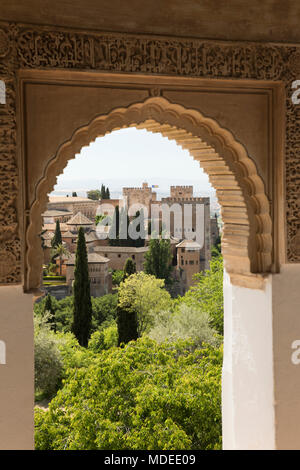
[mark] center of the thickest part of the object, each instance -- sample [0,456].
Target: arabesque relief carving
[23,46]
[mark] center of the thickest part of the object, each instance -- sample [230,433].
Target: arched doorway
[247,235]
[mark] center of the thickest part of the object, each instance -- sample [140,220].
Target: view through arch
[151,335]
[247,240]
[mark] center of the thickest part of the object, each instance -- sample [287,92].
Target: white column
[286,326]
[16,369]
[248,384]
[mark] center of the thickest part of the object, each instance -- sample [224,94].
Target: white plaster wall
[17,370]
[286,327]
[248,385]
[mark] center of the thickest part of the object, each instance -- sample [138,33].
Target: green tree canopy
[129,268]
[188,322]
[100,217]
[144,396]
[127,324]
[104,311]
[94,194]
[158,259]
[207,293]
[145,295]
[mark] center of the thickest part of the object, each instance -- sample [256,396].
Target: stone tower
[188,262]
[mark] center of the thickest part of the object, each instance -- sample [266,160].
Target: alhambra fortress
[222,80]
[189,257]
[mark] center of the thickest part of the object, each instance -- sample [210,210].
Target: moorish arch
[247,229]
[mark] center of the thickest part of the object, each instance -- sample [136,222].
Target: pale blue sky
[131,156]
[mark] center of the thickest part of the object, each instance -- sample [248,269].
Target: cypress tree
[57,239]
[129,268]
[139,242]
[127,326]
[50,309]
[123,231]
[107,196]
[158,259]
[82,308]
[115,228]
[103,192]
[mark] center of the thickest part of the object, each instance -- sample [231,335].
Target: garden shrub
[48,362]
[143,396]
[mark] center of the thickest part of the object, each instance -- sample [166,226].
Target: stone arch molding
[247,229]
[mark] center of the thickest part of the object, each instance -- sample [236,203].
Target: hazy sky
[131,154]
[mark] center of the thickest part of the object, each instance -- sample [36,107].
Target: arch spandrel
[247,230]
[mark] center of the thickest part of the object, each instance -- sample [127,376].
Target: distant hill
[201,188]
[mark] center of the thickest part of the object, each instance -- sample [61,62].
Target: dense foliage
[207,293]
[144,396]
[48,364]
[144,295]
[117,277]
[158,259]
[127,324]
[159,392]
[105,194]
[129,268]
[97,194]
[103,311]
[104,339]
[94,194]
[186,322]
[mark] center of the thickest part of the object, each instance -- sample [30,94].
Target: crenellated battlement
[203,200]
[181,191]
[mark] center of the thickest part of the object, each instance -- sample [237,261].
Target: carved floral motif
[4,44]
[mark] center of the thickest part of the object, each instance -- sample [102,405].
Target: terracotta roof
[92,258]
[47,235]
[65,199]
[79,219]
[55,213]
[69,234]
[51,227]
[189,244]
[91,237]
[121,249]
